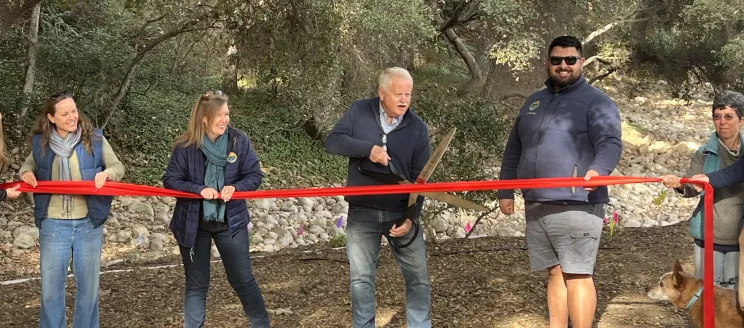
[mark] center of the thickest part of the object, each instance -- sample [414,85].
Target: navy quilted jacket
[185,172]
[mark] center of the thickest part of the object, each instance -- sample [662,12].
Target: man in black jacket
[378,134]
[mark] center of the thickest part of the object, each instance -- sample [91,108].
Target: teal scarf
[214,176]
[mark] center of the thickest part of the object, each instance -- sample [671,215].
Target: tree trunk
[33,46]
[230,72]
[476,81]
[137,61]
[230,79]
[464,13]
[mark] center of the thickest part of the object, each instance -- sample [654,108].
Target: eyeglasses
[556,60]
[727,117]
[384,141]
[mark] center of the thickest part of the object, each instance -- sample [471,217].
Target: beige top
[114,168]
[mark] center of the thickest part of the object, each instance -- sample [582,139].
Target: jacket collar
[374,106]
[712,145]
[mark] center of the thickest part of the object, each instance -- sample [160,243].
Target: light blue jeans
[363,234]
[725,267]
[59,239]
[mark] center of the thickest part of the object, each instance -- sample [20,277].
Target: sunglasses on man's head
[570,60]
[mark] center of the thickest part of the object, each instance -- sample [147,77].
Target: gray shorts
[564,234]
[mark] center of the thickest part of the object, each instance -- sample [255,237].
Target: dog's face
[669,287]
[664,290]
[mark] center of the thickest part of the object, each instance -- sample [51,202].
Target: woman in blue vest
[11,192]
[213,160]
[724,148]
[66,147]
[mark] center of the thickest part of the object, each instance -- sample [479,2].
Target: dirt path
[475,283]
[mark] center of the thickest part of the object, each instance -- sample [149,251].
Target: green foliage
[320,55]
[700,42]
[518,54]
[482,128]
[301,59]
[338,241]
[658,200]
[144,130]
[290,158]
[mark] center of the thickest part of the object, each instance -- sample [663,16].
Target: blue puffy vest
[89,163]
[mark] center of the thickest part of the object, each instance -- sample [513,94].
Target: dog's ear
[677,274]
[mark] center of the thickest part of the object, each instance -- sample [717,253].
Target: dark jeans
[237,262]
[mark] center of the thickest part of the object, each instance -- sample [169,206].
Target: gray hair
[728,98]
[387,75]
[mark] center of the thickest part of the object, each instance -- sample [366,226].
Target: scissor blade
[454,201]
[435,158]
[432,163]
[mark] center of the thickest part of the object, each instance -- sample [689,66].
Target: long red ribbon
[127,189]
[708,302]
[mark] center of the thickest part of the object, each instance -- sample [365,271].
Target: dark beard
[558,84]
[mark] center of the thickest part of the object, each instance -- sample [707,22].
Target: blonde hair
[206,106]
[386,77]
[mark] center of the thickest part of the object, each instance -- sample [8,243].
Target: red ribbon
[708,302]
[127,189]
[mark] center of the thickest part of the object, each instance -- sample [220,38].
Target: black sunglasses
[63,94]
[571,60]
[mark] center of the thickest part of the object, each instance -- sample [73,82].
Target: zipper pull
[575,173]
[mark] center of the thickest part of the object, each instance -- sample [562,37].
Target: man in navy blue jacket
[569,129]
[377,134]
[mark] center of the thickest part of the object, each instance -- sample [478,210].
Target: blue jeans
[58,239]
[237,262]
[725,267]
[363,234]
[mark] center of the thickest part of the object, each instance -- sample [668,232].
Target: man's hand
[671,181]
[701,178]
[379,155]
[397,231]
[588,176]
[410,214]
[506,206]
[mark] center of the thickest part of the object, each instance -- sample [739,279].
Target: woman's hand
[30,178]
[227,192]
[101,178]
[209,193]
